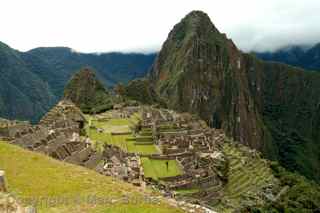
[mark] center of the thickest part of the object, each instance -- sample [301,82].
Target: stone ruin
[196,147]
[122,113]
[122,165]
[127,112]
[182,137]
[58,135]
[64,113]
[10,129]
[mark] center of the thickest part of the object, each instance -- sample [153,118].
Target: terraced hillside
[249,177]
[33,177]
[106,129]
[118,132]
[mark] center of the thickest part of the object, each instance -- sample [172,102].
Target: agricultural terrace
[107,128]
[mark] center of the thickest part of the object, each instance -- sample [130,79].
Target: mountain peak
[198,19]
[195,25]
[86,72]
[197,15]
[192,40]
[87,92]
[86,75]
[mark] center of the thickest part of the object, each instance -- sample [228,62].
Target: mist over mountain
[301,56]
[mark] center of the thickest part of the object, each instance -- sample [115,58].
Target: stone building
[10,129]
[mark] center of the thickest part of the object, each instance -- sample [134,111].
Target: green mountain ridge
[22,93]
[32,82]
[271,107]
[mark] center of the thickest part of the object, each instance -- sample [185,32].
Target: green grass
[142,144]
[136,117]
[33,175]
[115,124]
[144,139]
[156,169]
[125,142]
[187,191]
[142,149]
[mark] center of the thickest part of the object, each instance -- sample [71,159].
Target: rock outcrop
[260,104]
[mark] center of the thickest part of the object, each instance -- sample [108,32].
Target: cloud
[142,26]
[277,24]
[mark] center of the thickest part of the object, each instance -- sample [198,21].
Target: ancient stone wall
[195,146]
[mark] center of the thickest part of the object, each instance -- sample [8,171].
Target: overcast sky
[143,25]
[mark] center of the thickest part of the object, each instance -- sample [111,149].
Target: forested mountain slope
[32,82]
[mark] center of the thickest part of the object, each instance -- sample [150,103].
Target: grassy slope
[125,142]
[33,175]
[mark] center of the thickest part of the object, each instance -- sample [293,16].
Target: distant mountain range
[32,82]
[300,56]
[36,79]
